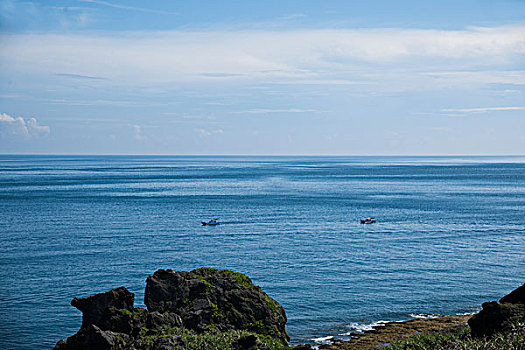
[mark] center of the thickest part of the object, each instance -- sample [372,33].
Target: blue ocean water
[450,234]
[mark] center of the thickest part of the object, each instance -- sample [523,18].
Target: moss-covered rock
[208,298]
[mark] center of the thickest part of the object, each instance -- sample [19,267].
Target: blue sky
[262,77]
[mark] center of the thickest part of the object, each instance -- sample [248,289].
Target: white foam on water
[323,340]
[423,315]
[363,327]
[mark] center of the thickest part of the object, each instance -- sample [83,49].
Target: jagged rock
[94,308]
[93,338]
[517,296]
[156,320]
[123,320]
[215,299]
[496,317]
[202,300]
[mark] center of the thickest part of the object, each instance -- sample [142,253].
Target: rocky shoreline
[391,331]
[221,309]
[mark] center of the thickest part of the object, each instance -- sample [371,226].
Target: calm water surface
[450,234]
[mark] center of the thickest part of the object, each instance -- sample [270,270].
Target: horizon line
[258,155]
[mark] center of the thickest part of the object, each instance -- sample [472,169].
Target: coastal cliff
[221,309]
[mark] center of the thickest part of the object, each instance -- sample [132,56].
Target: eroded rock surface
[208,298]
[95,308]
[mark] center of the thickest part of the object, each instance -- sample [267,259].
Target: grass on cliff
[513,339]
[211,340]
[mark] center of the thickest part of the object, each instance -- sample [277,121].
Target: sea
[450,234]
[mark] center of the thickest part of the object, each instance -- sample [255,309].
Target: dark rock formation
[111,311]
[203,300]
[207,298]
[92,337]
[496,317]
[248,342]
[156,320]
[95,308]
[517,296]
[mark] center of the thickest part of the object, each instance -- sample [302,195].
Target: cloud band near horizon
[175,56]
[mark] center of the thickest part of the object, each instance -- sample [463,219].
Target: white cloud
[312,55]
[483,109]
[20,127]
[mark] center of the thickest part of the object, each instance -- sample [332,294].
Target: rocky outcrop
[517,296]
[180,303]
[92,337]
[215,299]
[95,308]
[496,317]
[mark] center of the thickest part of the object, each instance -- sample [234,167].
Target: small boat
[368,221]
[212,222]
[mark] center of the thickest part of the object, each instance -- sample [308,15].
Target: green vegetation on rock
[217,313]
[271,303]
[241,278]
[257,327]
[210,340]
[125,312]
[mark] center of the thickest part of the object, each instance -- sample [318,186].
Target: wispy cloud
[78,76]
[98,102]
[131,8]
[325,82]
[268,111]
[207,133]
[219,75]
[329,57]
[485,76]
[19,14]
[293,16]
[21,127]
[483,109]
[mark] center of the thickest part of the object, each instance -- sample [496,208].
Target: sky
[288,77]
